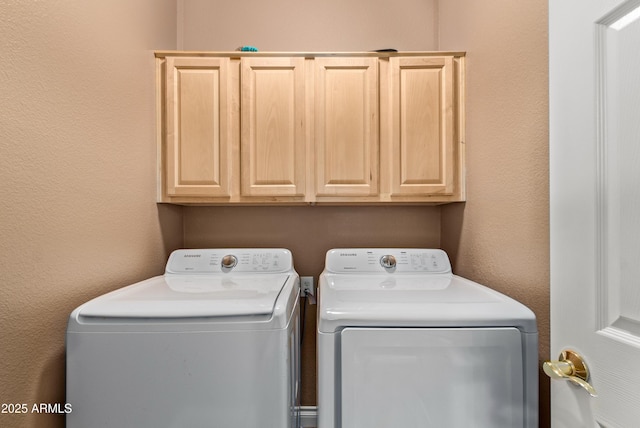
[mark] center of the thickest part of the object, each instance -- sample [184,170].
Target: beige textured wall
[77,165]
[294,25]
[500,236]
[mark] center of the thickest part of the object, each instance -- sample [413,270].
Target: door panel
[198,126]
[422,131]
[454,378]
[620,109]
[273,127]
[347,126]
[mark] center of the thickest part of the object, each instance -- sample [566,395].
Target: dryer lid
[190,296]
[442,300]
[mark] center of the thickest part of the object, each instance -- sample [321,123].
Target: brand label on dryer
[405,260]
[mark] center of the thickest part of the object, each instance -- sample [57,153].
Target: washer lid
[190,296]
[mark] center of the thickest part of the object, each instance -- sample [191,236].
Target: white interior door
[594,54]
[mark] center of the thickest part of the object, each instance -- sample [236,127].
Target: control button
[388,261]
[229,262]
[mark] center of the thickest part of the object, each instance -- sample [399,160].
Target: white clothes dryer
[214,342]
[402,342]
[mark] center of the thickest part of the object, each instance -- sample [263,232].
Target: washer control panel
[387,260]
[226,260]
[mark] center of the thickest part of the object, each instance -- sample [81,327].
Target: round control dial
[388,261]
[229,262]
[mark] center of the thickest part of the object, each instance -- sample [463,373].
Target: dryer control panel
[387,260]
[226,260]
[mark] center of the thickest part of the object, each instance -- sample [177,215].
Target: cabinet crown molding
[241,54]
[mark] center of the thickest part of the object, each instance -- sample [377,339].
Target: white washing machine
[402,342]
[214,342]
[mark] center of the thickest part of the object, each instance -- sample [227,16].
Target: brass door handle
[570,366]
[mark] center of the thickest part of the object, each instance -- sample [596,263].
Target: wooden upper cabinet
[198,126]
[343,128]
[421,141]
[346,126]
[273,136]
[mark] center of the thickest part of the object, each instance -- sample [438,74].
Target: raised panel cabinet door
[422,128]
[198,126]
[273,127]
[346,126]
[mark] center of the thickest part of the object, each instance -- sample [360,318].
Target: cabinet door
[198,127]
[273,127]
[421,121]
[346,127]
